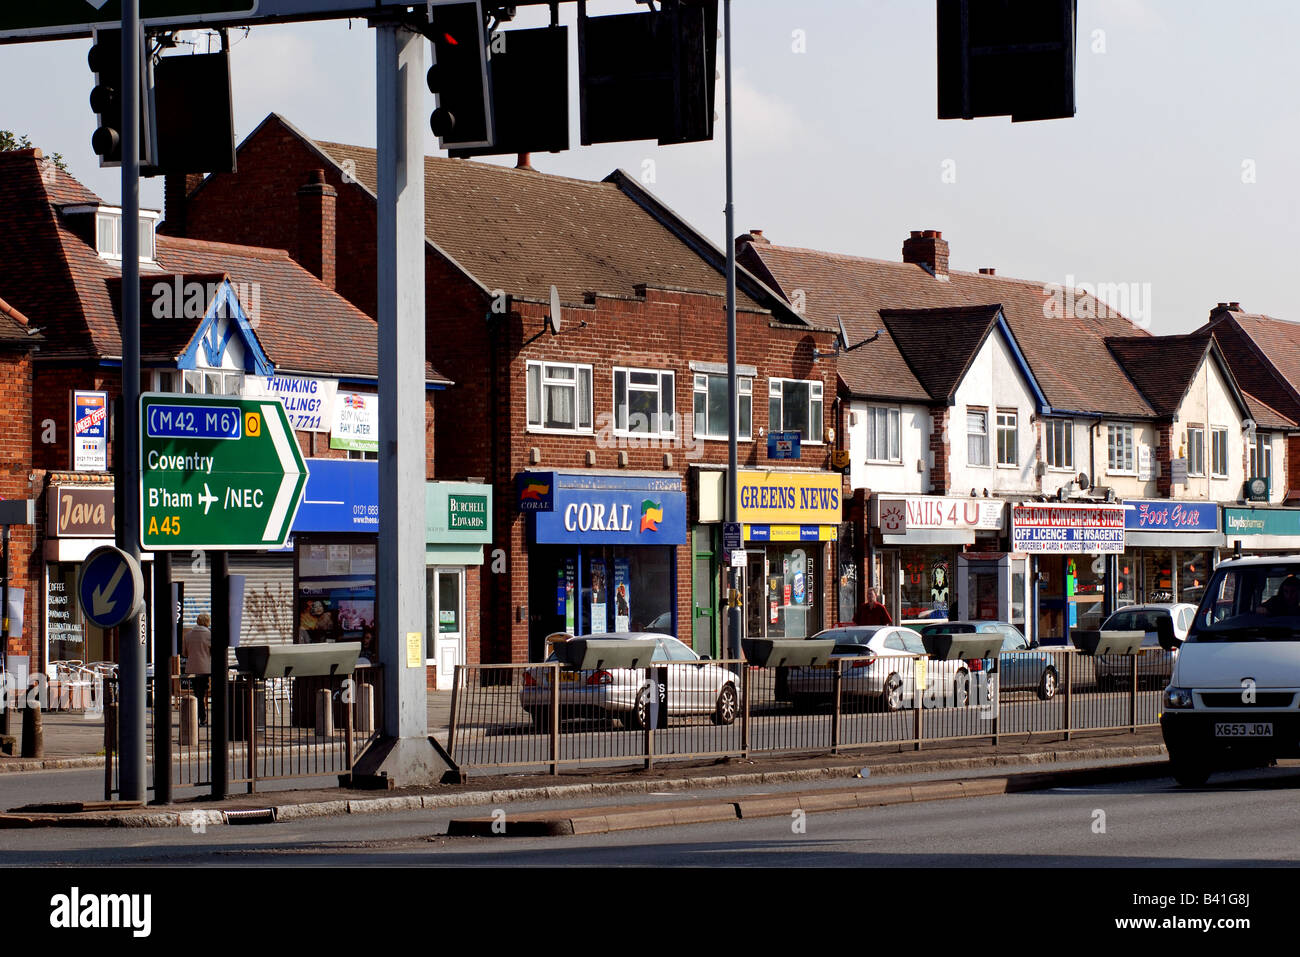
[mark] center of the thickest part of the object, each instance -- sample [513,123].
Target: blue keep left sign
[110,587]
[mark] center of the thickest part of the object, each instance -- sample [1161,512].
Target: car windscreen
[1255,602]
[1133,620]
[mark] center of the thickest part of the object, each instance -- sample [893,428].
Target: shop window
[792,609]
[1008,446]
[711,406]
[977,438]
[644,402]
[1085,582]
[559,397]
[884,434]
[1119,450]
[1196,451]
[1060,444]
[336,594]
[794,405]
[1219,452]
[1194,569]
[1158,574]
[1126,591]
[926,587]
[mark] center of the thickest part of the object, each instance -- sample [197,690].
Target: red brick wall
[15,483]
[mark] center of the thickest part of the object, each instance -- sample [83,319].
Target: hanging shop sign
[1073,529]
[610,509]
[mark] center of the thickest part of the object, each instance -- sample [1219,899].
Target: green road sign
[217,472]
[61,18]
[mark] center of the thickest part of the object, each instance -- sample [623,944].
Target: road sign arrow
[102,606]
[207,498]
[97,3]
[284,497]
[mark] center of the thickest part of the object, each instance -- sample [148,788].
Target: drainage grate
[261,815]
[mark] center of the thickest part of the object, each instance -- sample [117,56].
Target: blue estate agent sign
[613,510]
[1166,516]
[110,588]
[342,495]
[783,445]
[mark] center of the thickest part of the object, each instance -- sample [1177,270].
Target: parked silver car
[882,664]
[1156,665]
[695,686]
[1020,666]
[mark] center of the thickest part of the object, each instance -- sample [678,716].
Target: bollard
[365,720]
[324,713]
[189,730]
[33,732]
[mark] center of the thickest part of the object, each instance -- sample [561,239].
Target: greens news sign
[217,472]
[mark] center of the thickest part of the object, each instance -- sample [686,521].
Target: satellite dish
[554,318]
[844,333]
[1083,482]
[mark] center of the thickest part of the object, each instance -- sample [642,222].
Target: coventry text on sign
[1048,529]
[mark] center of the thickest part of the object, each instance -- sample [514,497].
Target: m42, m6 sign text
[217,472]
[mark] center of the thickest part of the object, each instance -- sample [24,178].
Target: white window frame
[983,435]
[200,381]
[1261,455]
[113,217]
[543,382]
[816,397]
[893,416]
[1125,449]
[1055,445]
[1196,451]
[1012,427]
[744,393]
[665,384]
[1218,450]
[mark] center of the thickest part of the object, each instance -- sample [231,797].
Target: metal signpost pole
[733,493]
[164,630]
[131,656]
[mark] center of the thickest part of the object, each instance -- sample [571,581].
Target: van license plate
[1226,730]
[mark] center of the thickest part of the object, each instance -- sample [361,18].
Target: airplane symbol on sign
[207,498]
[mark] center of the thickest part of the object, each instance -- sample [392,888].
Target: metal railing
[546,716]
[277,728]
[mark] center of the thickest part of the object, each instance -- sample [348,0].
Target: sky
[1176,184]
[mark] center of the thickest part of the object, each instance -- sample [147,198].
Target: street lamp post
[733,495]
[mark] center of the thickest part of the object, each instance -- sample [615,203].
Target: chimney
[525,161]
[1224,308]
[988,271]
[177,188]
[316,227]
[929,250]
[754,237]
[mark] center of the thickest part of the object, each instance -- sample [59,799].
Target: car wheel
[961,689]
[541,718]
[725,713]
[891,699]
[1105,683]
[802,703]
[1188,772]
[1047,684]
[639,716]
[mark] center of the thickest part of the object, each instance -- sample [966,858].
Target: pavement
[600,795]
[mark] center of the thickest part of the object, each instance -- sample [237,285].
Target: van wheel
[1187,772]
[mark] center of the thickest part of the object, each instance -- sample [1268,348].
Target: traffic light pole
[733,493]
[131,651]
[405,755]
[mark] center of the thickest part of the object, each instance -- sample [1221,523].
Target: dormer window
[108,234]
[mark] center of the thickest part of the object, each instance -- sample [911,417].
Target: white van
[1232,699]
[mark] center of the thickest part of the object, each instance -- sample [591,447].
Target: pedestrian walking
[198,661]
[872,612]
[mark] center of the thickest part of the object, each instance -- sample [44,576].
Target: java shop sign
[1067,529]
[80,511]
[1166,516]
[897,515]
[611,509]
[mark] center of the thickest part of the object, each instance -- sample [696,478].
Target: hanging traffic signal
[1006,57]
[105,59]
[459,77]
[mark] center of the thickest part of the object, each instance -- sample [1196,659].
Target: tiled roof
[522,231]
[961,330]
[1067,356]
[1266,417]
[1162,366]
[14,326]
[59,281]
[1265,356]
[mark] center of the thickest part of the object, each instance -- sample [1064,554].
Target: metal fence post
[1133,694]
[555,718]
[110,745]
[650,724]
[839,702]
[455,697]
[1067,667]
[995,684]
[349,721]
[919,702]
[745,683]
[250,715]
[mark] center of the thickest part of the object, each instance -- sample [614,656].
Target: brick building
[18,340]
[216,319]
[621,413]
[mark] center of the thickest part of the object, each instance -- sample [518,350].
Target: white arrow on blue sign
[110,587]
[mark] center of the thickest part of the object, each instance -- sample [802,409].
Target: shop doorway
[991,586]
[446,589]
[704,593]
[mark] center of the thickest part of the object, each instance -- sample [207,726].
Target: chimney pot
[916,234]
[929,250]
[988,271]
[1235,306]
[525,161]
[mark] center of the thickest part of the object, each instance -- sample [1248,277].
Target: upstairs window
[1060,444]
[794,405]
[977,438]
[1119,450]
[559,397]
[710,395]
[1196,451]
[1008,444]
[108,235]
[884,435]
[1219,452]
[644,402]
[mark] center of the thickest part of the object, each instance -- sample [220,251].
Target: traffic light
[105,59]
[530,93]
[1006,57]
[649,75]
[459,77]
